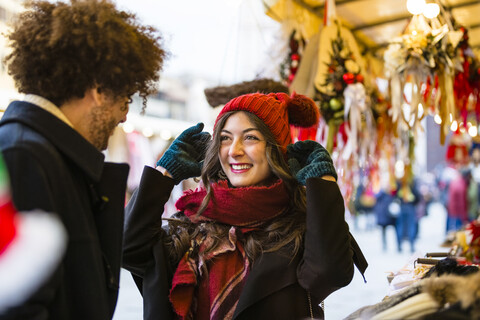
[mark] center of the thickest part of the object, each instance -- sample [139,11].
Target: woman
[253,242]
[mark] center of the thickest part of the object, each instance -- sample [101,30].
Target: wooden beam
[473,26]
[381,22]
[408,16]
[337,3]
[309,8]
[462,4]
[318,10]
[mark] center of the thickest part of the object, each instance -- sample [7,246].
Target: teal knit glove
[184,157]
[308,159]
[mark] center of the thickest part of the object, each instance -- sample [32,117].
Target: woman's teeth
[241,166]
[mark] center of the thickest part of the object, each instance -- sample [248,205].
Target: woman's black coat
[277,287]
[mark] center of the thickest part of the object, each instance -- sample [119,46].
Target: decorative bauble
[335,104]
[348,78]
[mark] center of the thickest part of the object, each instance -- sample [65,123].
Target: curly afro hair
[60,50]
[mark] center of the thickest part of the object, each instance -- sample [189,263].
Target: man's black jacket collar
[60,134]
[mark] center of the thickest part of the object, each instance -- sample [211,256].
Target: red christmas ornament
[348,78]
[359,78]
[295,57]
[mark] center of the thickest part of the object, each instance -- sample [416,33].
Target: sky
[225,41]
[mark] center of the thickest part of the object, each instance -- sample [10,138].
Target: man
[78,65]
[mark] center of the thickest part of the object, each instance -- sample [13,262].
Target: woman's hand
[184,157]
[308,159]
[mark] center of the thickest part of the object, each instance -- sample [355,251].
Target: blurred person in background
[472,195]
[265,237]
[364,203]
[458,200]
[474,184]
[408,197]
[78,64]
[474,164]
[455,174]
[384,214]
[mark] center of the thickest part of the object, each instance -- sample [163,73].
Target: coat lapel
[271,272]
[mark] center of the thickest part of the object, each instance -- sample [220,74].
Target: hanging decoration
[424,60]
[303,83]
[467,85]
[289,66]
[347,127]
[471,250]
[457,149]
[345,105]
[430,70]
[339,66]
[342,72]
[288,71]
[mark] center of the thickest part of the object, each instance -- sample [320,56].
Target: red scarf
[215,296]
[240,207]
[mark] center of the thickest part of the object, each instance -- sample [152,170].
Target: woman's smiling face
[243,153]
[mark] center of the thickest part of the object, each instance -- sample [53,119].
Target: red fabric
[457,198]
[452,149]
[215,296]
[7,225]
[302,134]
[474,229]
[243,207]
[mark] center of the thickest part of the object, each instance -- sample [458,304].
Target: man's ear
[96,95]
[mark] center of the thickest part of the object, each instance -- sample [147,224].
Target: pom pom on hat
[278,111]
[302,111]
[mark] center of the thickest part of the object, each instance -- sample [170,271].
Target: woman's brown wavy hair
[61,50]
[284,230]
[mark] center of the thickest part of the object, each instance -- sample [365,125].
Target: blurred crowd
[401,202]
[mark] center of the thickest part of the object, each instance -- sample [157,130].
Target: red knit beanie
[278,111]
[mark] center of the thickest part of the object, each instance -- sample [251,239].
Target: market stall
[377,69]
[438,285]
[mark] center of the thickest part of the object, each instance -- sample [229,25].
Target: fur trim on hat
[221,95]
